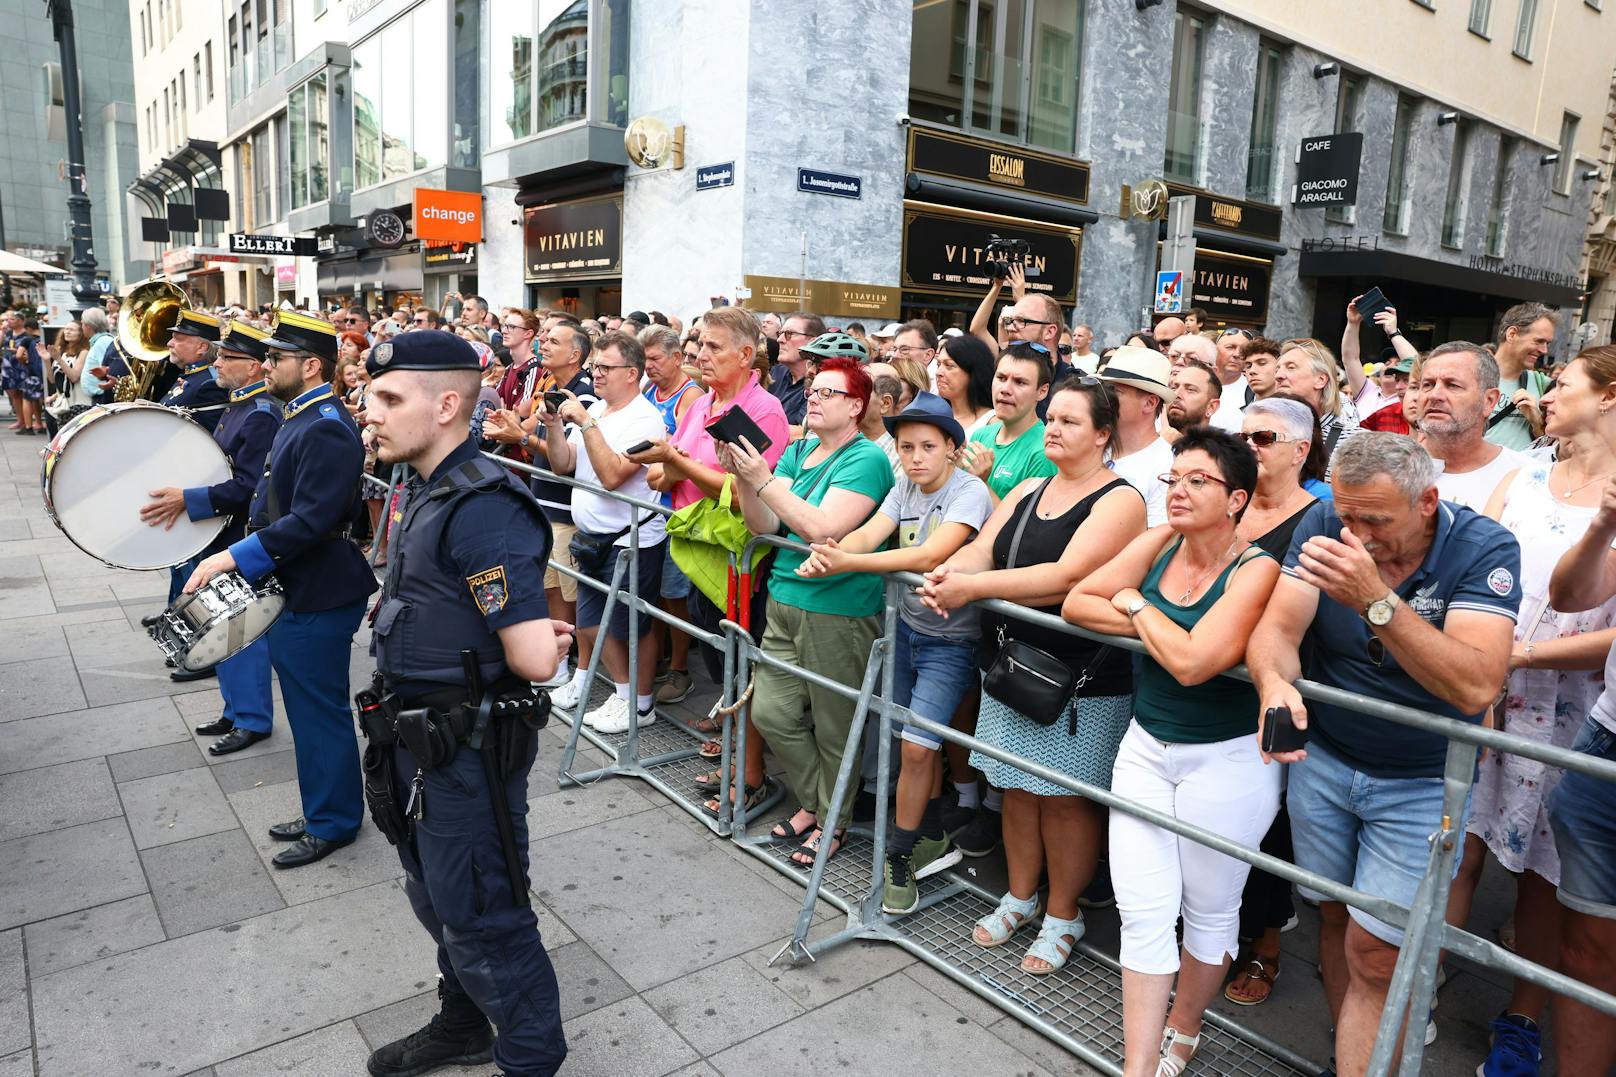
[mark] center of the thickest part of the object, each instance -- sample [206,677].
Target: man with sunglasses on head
[1235,391]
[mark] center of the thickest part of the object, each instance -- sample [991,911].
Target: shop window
[555,63]
[365,76]
[1497,212]
[1453,207]
[1568,153]
[1348,99]
[1524,18]
[401,110]
[1020,58]
[1394,218]
[308,137]
[1481,11]
[1184,98]
[1261,157]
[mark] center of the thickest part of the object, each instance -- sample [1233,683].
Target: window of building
[207,67]
[401,120]
[1453,207]
[1523,28]
[1261,157]
[319,8]
[1610,196]
[184,113]
[196,78]
[1021,59]
[280,131]
[263,176]
[1497,213]
[1481,12]
[1348,99]
[168,120]
[1395,216]
[1184,98]
[1568,153]
[177,22]
[308,142]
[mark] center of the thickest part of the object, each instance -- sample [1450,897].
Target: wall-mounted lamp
[1321,71]
[1445,118]
[1588,174]
[1140,5]
[1548,159]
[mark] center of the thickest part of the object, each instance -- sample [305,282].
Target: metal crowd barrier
[1427,935]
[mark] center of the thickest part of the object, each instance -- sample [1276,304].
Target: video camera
[1001,252]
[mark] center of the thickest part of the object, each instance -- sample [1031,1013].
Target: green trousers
[835,647]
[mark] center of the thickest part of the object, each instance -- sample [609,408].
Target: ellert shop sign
[284,246]
[580,240]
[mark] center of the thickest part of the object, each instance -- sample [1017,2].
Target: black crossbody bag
[1041,685]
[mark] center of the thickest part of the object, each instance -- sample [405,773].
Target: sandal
[808,851]
[1171,1065]
[1051,946]
[711,750]
[709,784]
[707,726]
[1010,917]
[784,831]
[1254,982]
[755,795]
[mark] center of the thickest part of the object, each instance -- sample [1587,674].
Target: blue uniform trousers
[310,653]
[244,684]
[456,878]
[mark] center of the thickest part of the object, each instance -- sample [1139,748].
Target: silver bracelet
[765,485]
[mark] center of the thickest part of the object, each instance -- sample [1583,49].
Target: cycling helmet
[833,344]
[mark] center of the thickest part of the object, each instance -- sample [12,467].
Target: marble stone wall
[501,260]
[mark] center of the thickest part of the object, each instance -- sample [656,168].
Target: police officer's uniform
[298,530]
[245,431]
[467,560]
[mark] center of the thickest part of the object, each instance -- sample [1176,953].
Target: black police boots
[458,1035]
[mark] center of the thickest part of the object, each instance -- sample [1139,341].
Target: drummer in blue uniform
[191,346]
[244,433]
[461,634]
[298,530]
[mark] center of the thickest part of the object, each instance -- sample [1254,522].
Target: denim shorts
[1582,810]
[675,584]
[930,675]
[1373,834]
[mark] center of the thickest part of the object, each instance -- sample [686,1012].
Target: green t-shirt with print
[1022,459]
[859,466]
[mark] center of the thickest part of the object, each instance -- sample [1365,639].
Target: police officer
[191,344]
[298,530]
[244,433]
[461,632]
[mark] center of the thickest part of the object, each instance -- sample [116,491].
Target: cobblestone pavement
[142,930]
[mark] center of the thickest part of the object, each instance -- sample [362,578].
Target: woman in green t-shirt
[825,486]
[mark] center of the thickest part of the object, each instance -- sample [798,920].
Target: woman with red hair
[825,486]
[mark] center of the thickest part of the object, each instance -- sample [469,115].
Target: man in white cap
[883,338]
[1140,377]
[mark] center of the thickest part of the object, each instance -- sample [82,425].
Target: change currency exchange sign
[1327,170]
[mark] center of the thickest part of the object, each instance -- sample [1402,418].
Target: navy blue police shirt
[246,430]
[198,387]
[312,482]
[1474,564]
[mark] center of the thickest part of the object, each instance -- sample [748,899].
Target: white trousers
[1223,787]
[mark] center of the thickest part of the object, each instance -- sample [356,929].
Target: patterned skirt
[1087,756]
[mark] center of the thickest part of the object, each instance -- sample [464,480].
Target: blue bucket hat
[929,408]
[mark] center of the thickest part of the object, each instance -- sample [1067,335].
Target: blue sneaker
[1517,1049]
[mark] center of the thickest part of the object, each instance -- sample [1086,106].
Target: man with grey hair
[1400,596]
[1456,396]
[1524,335]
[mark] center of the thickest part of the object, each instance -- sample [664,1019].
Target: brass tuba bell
[149,311]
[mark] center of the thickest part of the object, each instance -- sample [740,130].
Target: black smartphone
[633,450]
[553,400]
[1372,302]
[735,424]
[1280,733]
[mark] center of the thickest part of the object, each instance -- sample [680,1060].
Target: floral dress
[1509,810]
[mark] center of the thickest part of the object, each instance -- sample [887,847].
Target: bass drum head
[100,470]
[226,636]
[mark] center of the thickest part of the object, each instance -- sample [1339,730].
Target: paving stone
[207,881]
[552,929]
[277,976]
[596,880]
[143,679]
[14,1033]
[876,1030]
[92,934]
[838,971]
[108,644]
[1044,1052]
[166,808]
[248,770]
[624,1040]
[587,982]
[695,1069]
[957,995]
[20,1064]
[47,875]
[575,807]
[63,738]
[14,529]
[158,759]
[70,594]
[34,642]
[368,860]
[136,586]
[41,686]
[280,739]
[49,798]
[334,1051]
[720,1006]
[23,590]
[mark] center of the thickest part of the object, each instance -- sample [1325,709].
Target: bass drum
[99,472]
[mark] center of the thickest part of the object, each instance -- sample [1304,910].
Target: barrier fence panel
[1080,1008]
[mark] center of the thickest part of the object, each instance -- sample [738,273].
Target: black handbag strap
[1024,513]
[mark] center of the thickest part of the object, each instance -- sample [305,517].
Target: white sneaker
[617,720]
[565,698]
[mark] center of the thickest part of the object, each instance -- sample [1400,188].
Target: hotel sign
[995,164]
[944,252]
[580,240]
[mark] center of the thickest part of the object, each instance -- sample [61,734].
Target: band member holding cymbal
[298,530]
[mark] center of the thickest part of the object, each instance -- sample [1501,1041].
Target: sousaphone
[149,311]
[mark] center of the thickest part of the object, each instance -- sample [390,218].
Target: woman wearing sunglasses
[1191,592]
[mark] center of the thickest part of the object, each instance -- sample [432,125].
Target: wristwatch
[588,425]
[1380,611]
[1136,606]
[1395,333]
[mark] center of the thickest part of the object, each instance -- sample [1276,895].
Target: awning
[1232,241]
[971,196]
[1509,282]
[16,263]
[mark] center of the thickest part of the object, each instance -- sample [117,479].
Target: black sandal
[784,831]
[755,795]
[808,851]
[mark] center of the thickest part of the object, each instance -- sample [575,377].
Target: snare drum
[220,618]
[100,470]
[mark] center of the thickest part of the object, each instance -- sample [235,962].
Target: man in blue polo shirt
[1402,597]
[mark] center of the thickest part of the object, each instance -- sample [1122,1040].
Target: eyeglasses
[1065,349]
[1377,650]
[826,392]
[906,351]
[1016,321]
[784,333]
[600,368]
[1196,481]
[514,327]
[1262,438]
[423,321]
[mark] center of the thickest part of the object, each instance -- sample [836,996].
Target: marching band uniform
[198,386]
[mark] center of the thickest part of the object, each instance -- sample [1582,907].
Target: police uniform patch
[1501,581]
[489,590]
[382,354]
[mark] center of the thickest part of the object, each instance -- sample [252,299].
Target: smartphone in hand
[634,450]
[553,400]
[1280,734]
[1372,303]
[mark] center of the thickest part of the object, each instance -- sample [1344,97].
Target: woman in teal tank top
[1192,592]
